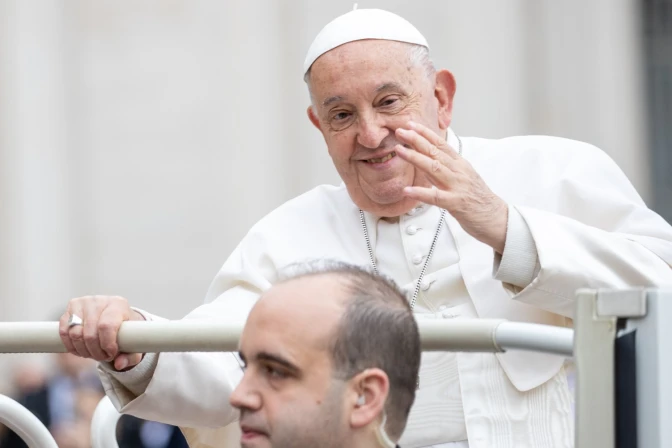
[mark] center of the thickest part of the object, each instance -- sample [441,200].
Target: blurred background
[140,140]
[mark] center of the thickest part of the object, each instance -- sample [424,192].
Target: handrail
[24,423]
[104,425]
[473,335]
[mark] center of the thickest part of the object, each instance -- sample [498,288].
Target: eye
[274,373]
[389,101]
[340,116]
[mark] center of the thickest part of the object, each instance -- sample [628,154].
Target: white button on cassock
[417,258]
[411,230]
[424,285]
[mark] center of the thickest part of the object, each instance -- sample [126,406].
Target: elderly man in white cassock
[470,227]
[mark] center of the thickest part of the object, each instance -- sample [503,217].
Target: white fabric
[519,263]
[408,240]
[361,24]
[589,227]
[462,444]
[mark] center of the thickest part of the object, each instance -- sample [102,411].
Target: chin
[388,199]
[385,199]
[389,193]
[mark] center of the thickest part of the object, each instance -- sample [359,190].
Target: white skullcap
[360,24]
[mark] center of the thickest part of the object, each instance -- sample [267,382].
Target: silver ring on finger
[74,321]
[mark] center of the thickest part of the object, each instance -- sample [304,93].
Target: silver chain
[431,248]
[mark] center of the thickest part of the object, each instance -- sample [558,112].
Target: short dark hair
[377,330]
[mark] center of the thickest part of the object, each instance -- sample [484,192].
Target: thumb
[127,360]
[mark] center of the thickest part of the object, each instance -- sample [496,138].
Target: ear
[444,91]
[313,118]
[368,394]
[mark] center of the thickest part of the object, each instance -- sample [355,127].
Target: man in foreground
[471,228]
[331,361]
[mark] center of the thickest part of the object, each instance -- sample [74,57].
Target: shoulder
[542,154]
[540,166]
[532,145]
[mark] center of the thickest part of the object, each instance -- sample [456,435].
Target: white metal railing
[25,424]
[472,335]
[104,425]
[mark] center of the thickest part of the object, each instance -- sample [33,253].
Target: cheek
[340,147]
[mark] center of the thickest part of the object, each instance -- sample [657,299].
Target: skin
[289,395]
[368,101]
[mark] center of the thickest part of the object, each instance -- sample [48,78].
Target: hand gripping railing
[469,335]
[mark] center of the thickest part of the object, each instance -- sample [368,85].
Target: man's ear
[444,91]
[368,394]
[313,118]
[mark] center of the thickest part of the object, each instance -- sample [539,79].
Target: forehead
[296,319]
[365,65]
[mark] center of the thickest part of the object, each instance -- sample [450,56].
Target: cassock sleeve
[193,389]
[592,231]
[519,264]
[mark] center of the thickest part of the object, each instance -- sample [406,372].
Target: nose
[244,396]
[372,130]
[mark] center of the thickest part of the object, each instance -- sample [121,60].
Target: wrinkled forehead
[363,67]
[364,55]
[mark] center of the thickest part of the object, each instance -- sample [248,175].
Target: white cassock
[574,221]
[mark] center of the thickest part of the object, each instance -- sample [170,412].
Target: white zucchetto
[360,24]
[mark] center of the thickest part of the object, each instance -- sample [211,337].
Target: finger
[126,360]
[64,333]
[108,329]
[433,138]
[431,196]
[421,144]
[77,337]
[437,171]
[91,318]
[75,333]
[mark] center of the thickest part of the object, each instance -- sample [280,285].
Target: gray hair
[418,56]
[377,330]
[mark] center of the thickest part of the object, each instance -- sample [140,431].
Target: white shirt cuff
[136,379]
[519,264]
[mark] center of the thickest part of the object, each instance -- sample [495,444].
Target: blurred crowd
[65,399]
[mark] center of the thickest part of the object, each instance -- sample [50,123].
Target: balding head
[323,337]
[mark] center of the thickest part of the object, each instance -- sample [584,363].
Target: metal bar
[535,337]
[104,425]
[25,424]
[481,335]
[594,358]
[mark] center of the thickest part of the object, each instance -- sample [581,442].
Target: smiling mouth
[382,159]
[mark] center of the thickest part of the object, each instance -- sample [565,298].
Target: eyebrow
[380,88]
[331,100]
[389,86]
[265,356]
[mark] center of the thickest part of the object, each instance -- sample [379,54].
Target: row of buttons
[417,258]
